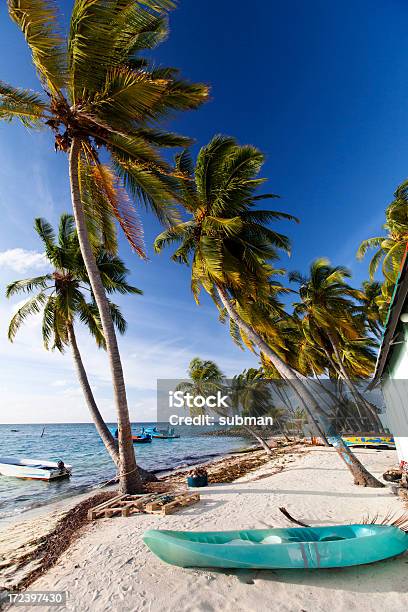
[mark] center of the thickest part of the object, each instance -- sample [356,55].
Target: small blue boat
[161,434]
[292,548]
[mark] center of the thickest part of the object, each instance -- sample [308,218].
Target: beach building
[392,364]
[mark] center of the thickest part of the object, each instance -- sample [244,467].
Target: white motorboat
[36,469]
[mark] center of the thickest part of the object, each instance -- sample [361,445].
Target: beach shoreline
[66,503]
[20,535]
[310,481]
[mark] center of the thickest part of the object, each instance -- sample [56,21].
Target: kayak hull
[300,548]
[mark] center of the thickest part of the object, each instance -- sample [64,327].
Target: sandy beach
[110,568]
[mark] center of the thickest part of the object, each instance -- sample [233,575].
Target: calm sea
[80,446]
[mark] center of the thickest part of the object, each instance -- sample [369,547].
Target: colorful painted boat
[370,441]
[34,469]
[293,548]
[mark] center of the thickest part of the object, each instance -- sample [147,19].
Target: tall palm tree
[229,244]
[100,92]
[64,296]
[391,247]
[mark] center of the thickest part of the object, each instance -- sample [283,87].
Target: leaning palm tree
[64,296]
[331,322]
[99,92]
[230,245]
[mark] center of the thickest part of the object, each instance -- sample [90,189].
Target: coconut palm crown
[390,248]
[226,239]
[65,295]
[330,317]
[98,87]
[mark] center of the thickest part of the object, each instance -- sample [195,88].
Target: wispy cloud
[21,260]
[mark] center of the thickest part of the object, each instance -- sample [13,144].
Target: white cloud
[21,260]
[59,383]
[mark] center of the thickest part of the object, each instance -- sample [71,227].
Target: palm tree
[251,394]
[205,377]
[332,323]
[229,245]
[100,92]
[64,296]
[391,247]
[371,296]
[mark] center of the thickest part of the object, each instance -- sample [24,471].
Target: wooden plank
[180,501]
[152,503]
[96,509]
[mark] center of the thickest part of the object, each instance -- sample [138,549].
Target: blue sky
[319,86]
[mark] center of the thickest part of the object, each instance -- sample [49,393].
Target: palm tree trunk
[359,399]
[259,438]
[359,472]
[100,424]
[129,478]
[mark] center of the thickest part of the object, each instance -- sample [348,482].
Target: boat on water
[292,548]
[142,438]
[161,434]
[34,469]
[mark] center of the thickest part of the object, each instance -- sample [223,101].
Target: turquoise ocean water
[80,446]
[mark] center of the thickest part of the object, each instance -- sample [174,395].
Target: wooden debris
[152,503]
[179,501]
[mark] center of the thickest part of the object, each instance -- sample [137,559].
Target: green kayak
[305,547]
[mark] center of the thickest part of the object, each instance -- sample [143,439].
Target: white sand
[110,568]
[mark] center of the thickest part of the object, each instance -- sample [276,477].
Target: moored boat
[293,548]
[34,469]
[142,439]
[370,441]
[163,434]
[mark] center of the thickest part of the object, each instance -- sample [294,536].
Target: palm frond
[38,20]
[153,189]
[32,306]
[111,192]
[22,104]
[104,35]
[28,285]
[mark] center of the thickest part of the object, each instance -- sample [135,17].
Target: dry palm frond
[390,518]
